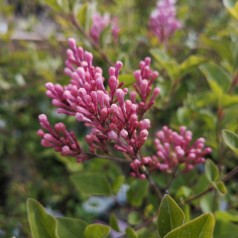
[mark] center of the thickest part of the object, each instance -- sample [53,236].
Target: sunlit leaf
[170,216]
[96,231]
[230,139]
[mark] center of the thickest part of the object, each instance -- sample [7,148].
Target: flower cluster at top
[114,117]
[101,22]
[163,22]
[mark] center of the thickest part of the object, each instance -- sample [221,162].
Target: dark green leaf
[42,224]
[70,227]
[201,227]
[96,231]
[137,191]
[113,222]
[91,184]
[170,216]
[211,171]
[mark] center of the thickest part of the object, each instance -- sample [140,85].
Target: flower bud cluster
[177,148]
[145,77]
[112,118]
[101,22]
[59,138]
[163,22]
[173,150]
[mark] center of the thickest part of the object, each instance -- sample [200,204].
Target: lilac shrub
[163,22]
[113,119]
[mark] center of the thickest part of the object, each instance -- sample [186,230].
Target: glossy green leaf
[211,171]
[91,183]
[42,224]
[70,227]
[201,227]
[230,139]
[170,216]
[220,187]
[113,222]
[131,233]
[232,7]
[96,231]
[137,192]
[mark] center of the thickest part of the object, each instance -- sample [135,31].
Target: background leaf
[91,183]
[96,231]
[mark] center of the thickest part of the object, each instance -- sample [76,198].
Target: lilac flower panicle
[99,23]
[111,117]
[163,22]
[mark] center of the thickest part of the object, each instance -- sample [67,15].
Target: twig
[224,179]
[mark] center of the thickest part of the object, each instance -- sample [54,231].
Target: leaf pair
[170,223]
[45,225]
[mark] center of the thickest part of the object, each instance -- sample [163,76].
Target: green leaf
[166,63]
[70,227]
[201,227]
[116,185]
[230,139]
[53,4]
[82,15]
[96,231]
[188,64]
[131,233]
[137,191]
[170,216]
[232,7]
[216,76]
[224,229]
[211,171]
[113,222]
[91,183]
[127,79]
[220,187]
[134,218]
[42,224]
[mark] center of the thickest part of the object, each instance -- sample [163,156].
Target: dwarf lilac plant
[163,22]
[113,119]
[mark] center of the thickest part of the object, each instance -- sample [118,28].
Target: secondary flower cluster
[101,22]
[113,119]
[173,149]
[163,22]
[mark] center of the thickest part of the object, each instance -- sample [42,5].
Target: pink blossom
[101,22]
[112,118]
[163,22]
[145,78]
[59,138]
